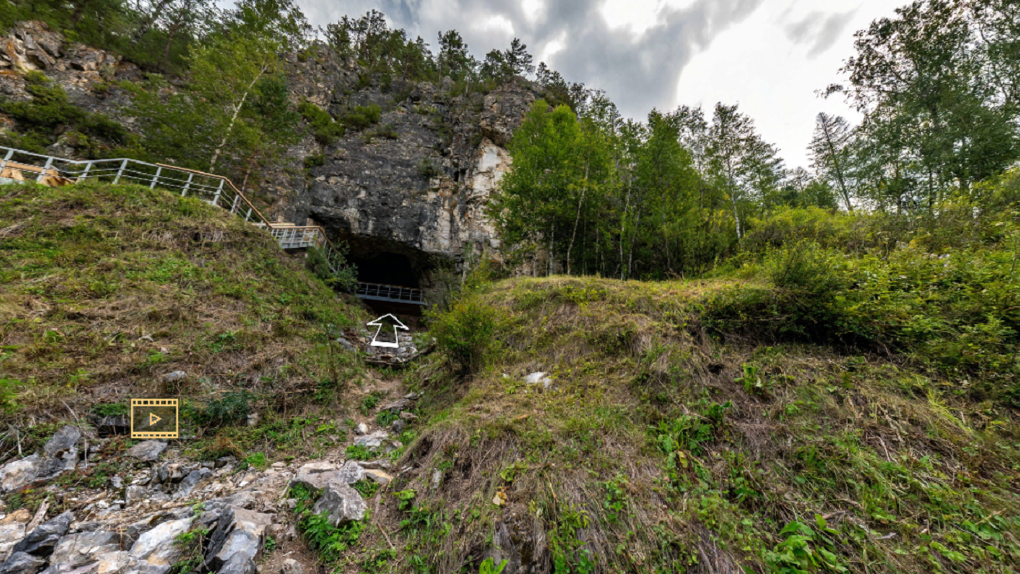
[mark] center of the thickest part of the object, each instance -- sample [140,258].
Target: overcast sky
[769,56]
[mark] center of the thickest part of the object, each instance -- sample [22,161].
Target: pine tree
[830,153]
[518,58]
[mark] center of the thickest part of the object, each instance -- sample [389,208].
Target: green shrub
[315,161]
[231,409]
[387,131]
[345,276]
[50,109]
[427,169]
[358,452]
[362,117]
[465,332]
[325,129]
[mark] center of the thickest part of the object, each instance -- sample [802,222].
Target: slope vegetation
[105,291]
[662,446]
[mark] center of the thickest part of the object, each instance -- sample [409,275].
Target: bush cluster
[50,109]
[942,288]
[325,129]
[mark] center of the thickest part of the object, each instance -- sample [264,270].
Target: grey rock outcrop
[22,563]
[42,540]
[84,548]
[156,546]
[148,450]
[341,503]
[237,541]
[10,534]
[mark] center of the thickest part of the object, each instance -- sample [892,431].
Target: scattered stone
[373,441]
[147,451]
[408,416]
[84,547]
[316,467]
[380,463]
[379,476]
[18,473]
[235,544]
[135,494]
[315,475]
[437,479]
[157,545]
[116,482]
[341,503]
[361,429]
[10,534]
[397,405]
[63,442]
[539,379]
[398,426]
[20,515]
[113,425]
[42,539]
[279,465]
[174,377]
[291,566]
[22,563]
[351,472]
[191,481]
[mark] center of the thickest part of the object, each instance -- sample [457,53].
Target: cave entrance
[388,272]
[387,269]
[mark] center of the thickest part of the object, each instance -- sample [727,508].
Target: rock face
[420,195]
[341,503]
[42,540]
[399,203]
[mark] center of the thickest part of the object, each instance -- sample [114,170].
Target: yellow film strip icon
[154,418]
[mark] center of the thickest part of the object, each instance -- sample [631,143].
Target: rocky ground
[159,511]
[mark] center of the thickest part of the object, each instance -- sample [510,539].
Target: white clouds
[819,30]
[768,55]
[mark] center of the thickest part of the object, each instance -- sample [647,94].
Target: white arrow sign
[396,337]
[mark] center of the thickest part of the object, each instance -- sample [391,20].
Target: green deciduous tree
[741,162]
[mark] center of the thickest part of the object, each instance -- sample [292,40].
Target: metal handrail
[383,292]
[222,192]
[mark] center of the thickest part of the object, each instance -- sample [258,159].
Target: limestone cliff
[403,198]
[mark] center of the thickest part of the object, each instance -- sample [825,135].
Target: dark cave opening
[388,269]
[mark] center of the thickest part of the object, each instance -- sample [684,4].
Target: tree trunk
[233,120]
[836,164]
[577,219]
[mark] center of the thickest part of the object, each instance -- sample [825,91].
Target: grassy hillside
[662,446]
[810,409]
[104,290]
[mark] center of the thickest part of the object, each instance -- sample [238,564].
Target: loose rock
[22,563]
[147,451]
[341,503]
[157,545]
[40,542]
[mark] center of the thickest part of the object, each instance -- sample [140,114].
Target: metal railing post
[7,158]
[248,214]
[216,197]
[88,167]
[120,172]
[42,174]
[155,178]
[187,185]
[233,207]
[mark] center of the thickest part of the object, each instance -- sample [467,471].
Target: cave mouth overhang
[389,262]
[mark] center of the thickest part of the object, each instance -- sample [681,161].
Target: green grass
[104,289]
[675,443]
